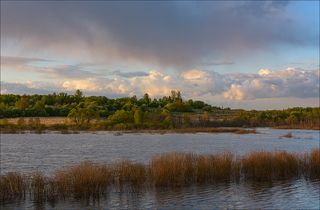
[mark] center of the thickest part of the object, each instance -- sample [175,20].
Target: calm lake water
[49,152]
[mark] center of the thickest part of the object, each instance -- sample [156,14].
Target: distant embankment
[178,122]
[63,125]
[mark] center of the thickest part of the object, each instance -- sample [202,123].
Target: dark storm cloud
[170,34]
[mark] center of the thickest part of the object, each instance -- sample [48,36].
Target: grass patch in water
[90,181]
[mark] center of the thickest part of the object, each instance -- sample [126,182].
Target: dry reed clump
[39,187]
[90,181]
[128,173]
[178,169]
[12,186]
[173,169]
[213,168]
[270,165]
[311,164]
[83,181]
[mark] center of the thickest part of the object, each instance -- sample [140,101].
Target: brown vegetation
[270,165]
[44,120]
[41,125]
[183,169]
[90,181]
[288,135]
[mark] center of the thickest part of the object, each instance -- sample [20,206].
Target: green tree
[78,96]
[146,99]
[39,105]
[121,116]
[23,103]
[84,113]
[138,116]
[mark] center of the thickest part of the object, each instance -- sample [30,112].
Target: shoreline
[64,125]
[235,130]
[118,132]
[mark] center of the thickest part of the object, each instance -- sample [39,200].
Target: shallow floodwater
[51,151]
[48,152]
[297,194]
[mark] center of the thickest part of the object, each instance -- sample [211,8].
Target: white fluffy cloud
[199,82]
[193,83]
[88,85]
[275,84]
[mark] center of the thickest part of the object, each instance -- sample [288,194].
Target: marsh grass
[214,168]
[82,181]
[12,186]
[173,169]
[261,166]
[91,181]
[39,187]
[310,163]
[178,169]
[130,174]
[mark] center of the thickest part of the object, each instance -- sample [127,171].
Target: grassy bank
[42,125]
[90,181]
[66,125]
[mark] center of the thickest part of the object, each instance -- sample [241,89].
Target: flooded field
[49,152]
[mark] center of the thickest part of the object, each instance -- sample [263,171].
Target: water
[49,152]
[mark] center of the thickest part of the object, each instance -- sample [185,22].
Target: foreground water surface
[49,152]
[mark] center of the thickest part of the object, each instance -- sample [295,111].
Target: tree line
[166,112]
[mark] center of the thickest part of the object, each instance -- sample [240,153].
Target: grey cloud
[18,61]
[130,74]
[28,88]
[50,71]
[217,63]
[170,34]
[262,8]
[67,72]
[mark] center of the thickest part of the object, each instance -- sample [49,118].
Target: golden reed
[89,180]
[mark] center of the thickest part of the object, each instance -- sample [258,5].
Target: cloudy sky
[252,55]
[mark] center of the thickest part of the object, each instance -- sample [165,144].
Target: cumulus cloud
[274,84]
[88,85]
[199,82]
[164,33]
[195,83]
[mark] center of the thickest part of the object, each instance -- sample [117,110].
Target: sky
[239,54]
